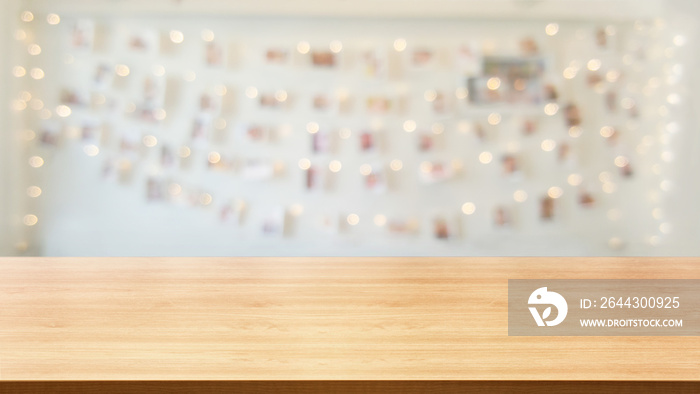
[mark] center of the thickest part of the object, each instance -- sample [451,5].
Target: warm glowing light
[36,161]
[205,198]
[25,96]
[18,105]
[27,16]
[609,187]
[281,95]
[34,191]
[353,219]
[91,150]
[214,157]
[665,228]
[30,220]
[409,126]
[551,109]
[621,161]
[485,157]
[493,83]
[63,111]
[37,73]
[207,35]
[336,46]
[468,208]
[150,141]
[594,64]
[570,72]
[159,114]
[20,34]
[19,71]
[437,128]
[312,127]
[28,135]
[555,192]
[551,29]
[430,95]
[461,93]
[604,176]
[122,70]
[548,145]
[174,189]
[494,118]
[251,92]
[365,169]
[220,90]
[520,196]
[679,40]
[344,133]
[34,49]
[612,76]
[400,44]
[574,131]
[426,167]
[396,165]
[176,36]
[379,220]
[574,179]
[335,166]
[53,19]
[304,164]
[654,240]
[673,98]
[607,131]
[303,47]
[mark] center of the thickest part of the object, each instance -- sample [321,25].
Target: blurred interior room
[349,128]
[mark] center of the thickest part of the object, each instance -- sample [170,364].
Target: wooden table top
[312,318]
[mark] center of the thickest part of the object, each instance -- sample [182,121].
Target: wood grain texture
[312,318]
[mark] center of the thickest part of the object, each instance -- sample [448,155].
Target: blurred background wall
[349,128]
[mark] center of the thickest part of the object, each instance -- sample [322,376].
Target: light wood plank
[311,318]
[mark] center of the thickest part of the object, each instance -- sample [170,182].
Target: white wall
[82,214]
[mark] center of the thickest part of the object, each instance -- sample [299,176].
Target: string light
[400,44]
[207,35]
[336,46]
[176,36]
[520,196]
[353,219]
[304,164]
[468,208]
[409,126]
[30,220]
[303,47]
[552,29]
[494,119]
[27,16]
[53,19]
[251,92]
[365,169]
[485,157]
[555,192]
[312,127]
[396,165]
[335,166]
